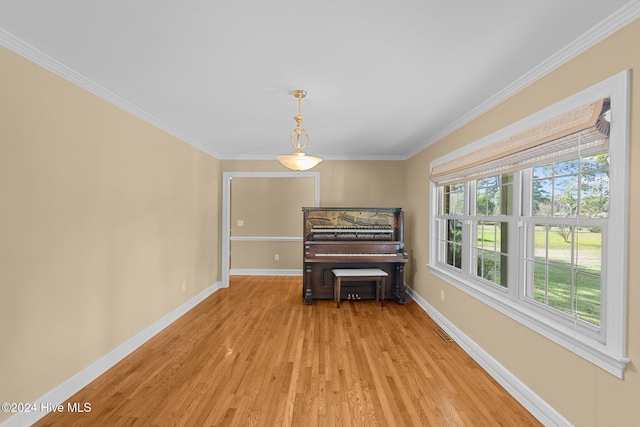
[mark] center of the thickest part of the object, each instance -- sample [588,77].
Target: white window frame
[608,350]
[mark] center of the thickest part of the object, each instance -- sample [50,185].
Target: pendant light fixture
[299,161]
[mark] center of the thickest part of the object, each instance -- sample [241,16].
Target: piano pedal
[357,296]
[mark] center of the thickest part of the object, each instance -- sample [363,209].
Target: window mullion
[515,238]
[467,229]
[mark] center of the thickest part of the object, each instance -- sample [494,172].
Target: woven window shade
[580,129]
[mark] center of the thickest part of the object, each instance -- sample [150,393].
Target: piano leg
[308,297]
[398,290]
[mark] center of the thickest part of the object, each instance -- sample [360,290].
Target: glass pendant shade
[299,161]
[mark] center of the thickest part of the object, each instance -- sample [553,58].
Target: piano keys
[353,238]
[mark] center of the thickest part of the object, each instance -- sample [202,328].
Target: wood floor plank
[255,355]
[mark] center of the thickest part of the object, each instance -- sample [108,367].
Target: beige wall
[269,207]
[260,202]
[344,183]
[583,393]
[102,218]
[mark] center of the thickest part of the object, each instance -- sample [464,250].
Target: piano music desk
[359,275]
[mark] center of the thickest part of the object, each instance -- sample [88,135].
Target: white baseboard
[64,391]
[264,272]
[540,409]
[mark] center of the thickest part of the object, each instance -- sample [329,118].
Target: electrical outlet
[441,294]
[184,286]
[276,257]
[240,223]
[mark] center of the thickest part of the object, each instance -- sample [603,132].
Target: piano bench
[359,275]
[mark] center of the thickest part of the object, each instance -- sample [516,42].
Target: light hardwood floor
[255,355]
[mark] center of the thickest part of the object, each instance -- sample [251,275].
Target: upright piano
[352,238]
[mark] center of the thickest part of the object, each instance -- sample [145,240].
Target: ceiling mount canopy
[299,161]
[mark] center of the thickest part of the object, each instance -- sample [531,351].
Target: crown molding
[38,57]
[324,157]
[618,20]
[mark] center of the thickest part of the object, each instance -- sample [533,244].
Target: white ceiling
[384,78]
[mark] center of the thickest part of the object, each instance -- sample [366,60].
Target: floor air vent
[443,335]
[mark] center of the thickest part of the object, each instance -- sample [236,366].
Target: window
[539,231]
[568,214]
[452,207]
